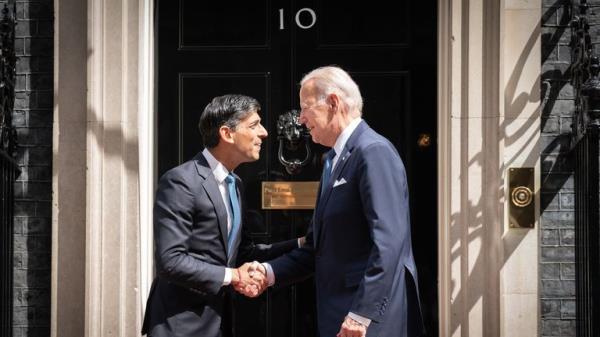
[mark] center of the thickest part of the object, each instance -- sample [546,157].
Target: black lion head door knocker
[294,137]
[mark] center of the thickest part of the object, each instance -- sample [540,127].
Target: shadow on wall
[556,178]
[557,105]
[32,117]
[557,277]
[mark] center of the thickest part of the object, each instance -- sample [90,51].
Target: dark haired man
[198,227]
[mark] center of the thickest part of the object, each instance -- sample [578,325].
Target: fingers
[254,267]
[252,279]
[257,271]
[352,328]
[248,290]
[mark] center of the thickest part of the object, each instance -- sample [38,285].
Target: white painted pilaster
[489,62]
[103,84]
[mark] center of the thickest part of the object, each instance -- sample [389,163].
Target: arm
[384,195]
[173,219]
[262,274]
[249,251]
[296,265]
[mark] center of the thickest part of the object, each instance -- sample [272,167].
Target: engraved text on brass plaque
[289,194]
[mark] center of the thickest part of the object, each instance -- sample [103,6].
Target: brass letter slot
[521,206]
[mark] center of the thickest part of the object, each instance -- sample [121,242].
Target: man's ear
[225,133]
[333,100]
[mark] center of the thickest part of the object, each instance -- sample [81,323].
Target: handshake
[250,279]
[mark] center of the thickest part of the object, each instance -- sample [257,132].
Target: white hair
[332,79]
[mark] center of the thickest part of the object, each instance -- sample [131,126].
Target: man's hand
[257,270]
[352,328]
[249,279]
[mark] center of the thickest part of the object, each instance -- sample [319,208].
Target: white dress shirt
[221,172]
[340,142]
[342,139]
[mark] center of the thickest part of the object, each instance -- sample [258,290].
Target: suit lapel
[212,190]
[324,197]
[339,168]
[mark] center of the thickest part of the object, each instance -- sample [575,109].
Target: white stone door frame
[489,66]
[148,164]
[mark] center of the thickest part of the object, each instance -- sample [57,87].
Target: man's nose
[302,118]
[263,132]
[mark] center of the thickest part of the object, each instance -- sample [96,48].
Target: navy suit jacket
[190,238]
[359,243]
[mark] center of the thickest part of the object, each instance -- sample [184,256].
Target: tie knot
[330,155]
[230,179]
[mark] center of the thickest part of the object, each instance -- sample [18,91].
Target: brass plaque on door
[289,194]
[521,197]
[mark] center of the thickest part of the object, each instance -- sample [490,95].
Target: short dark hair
[226,110]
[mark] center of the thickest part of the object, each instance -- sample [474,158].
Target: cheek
[321,122]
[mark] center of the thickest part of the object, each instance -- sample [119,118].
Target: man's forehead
[308,92]
[251,117]
[306,96]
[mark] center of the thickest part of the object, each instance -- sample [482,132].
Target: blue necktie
[327,169]
[235,211]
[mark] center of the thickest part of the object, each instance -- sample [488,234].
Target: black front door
[262,49]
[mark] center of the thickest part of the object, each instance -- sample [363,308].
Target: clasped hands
[250,279]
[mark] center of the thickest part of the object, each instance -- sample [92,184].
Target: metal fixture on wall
[521,207]
[585,145]
[8,167]
[292,136]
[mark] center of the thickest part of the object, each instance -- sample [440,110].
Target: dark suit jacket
[190,237]
[359,243]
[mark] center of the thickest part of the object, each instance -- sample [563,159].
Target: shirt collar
[218,169]
[345,135]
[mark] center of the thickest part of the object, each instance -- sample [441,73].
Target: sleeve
[270,275]
[384,196]
[249,251]
[296,265]
[228,277]
[362,320]
[173,219]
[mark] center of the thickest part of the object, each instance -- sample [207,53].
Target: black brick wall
[557,236]
[33,190]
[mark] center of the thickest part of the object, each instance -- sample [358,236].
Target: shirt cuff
[270,274]
[362,320]
[227,278]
